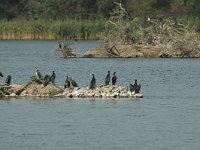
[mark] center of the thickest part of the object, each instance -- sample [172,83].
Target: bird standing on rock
[114,78]
[107,80]
[8,80]
[1,75]
[59,45]
[52,78]
[72,83]
[46,80]
[135,87]
[67,82]
[38,75]
[92,82]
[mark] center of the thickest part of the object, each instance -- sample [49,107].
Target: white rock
[124,95]
[114,95]
[59,95]
[138,95]
[13,95]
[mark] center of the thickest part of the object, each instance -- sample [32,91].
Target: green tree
[89,8]
[105,7]
[192,7]
[161,4]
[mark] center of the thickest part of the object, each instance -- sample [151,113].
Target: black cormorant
[1,75]
[46,80]
[92,82]
[131,88]
[114,78]
[135,87]
[73,83]
[59,45]
[52,78]
[38,75]
[107,80]
[8,80]
[67,82]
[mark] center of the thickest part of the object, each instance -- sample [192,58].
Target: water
[167,118]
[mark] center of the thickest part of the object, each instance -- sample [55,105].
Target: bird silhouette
[114,78]
[38,74]
[93,82]
[52,78]
[107,80]
[46,80]
[135,87]
[8,80]
[1,75]
[72,83]
[67,82]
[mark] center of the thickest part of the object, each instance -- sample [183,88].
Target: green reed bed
[193,23]
[72,28]
[51,29]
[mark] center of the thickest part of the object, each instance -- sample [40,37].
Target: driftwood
[67,51]
[113,51]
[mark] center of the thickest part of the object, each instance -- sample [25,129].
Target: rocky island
[161,36]
[35,89]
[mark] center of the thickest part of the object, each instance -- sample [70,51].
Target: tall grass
[193,23]
[72,28]
[51,29]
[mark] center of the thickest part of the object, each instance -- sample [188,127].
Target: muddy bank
[124,51]
[172,50]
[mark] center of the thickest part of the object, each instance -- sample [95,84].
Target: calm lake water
[167,118]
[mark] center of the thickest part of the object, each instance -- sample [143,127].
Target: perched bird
[59,45]
[1,75]
[92,82]
[8,80]
[52,78]
[72,83]
[67,82]
[38,75]
[107,80]
[131,88]
[135,87]
[46,80]
[114,78]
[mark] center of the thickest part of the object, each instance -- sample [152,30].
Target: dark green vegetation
[51,29]
[80,19]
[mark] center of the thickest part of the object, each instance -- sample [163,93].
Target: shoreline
[31,37]
[126,51]
[139,51]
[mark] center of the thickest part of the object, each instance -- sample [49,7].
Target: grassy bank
[51,29]
[71,29]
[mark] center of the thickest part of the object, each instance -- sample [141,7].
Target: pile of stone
[4,90]
[31,89]
[39,90]
[101,91]
[34,89]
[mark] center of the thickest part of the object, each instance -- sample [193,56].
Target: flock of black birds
[114,78]
[47,78]
[70,83]
[135,87]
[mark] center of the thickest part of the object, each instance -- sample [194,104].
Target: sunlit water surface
[167,118]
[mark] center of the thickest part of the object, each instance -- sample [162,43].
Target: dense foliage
[83,19]
[90,9]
